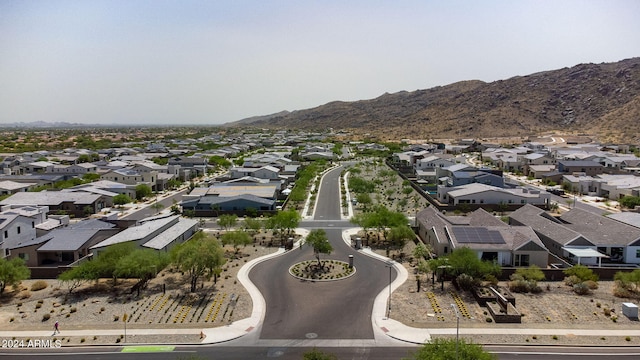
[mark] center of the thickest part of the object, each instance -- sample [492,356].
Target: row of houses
[532,235]
[450,179]
[28,233]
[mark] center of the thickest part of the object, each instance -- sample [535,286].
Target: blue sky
[210,62]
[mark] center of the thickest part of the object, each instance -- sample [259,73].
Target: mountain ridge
[602,100]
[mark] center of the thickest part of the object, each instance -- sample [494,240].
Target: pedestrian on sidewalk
[56,328]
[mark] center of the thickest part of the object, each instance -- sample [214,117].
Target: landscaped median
[328,270]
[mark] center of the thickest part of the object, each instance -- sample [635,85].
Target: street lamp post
[455,309]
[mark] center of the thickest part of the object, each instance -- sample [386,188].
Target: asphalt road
[325,310]
[147,211]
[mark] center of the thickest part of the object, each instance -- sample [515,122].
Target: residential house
[132,177]
[540,171]
[476,193]
[75,169]
[158,233]
[582,230]
[190,166]
[533,159]
[77,204]
[65,245]
[232,198]
[488,236]
[8,187]
[462,174]
[15,229]
[587,167]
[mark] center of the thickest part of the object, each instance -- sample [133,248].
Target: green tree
[121,199]
[465,261]
[384,219]
[450,349]
[198,257]
[90,177]
[364,199]
[236,238]
[398,237]
[318,240]
[12,272]
[359,185]
[227,221]
[84,158]
[219,161]
[630,202]
[284,222]
[174,183]
[73,278]
[253,225]
[141,264]
[142,191]
[106,261]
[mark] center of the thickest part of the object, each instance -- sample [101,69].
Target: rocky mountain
[602,100]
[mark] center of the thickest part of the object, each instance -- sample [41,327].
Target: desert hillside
[602,100]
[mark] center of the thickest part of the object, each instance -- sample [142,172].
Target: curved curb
[242,327]
[385,328]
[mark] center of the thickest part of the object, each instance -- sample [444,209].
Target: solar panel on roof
[477,235]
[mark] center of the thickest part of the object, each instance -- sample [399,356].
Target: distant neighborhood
[61,207]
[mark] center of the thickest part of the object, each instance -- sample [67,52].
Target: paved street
[325,310]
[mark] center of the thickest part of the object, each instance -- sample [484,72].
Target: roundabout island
[328,270]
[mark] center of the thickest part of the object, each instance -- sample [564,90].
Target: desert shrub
[39,285]
[73,309]
[571,280]
[38,305]
[116,317]
[46,317]
[591,284]
[492,279]
[630,281]
[532,273]
[606,312]
[25,294]
[519,286]
[581,289]
[582,272]
[535,289]
[621,292]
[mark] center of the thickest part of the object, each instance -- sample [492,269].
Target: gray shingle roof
[534,217]
[599,229]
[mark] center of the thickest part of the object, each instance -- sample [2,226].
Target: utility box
[630,310]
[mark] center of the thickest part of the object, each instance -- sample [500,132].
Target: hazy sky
[215,61]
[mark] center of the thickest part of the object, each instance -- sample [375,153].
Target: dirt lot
[103,306]
[557,307]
